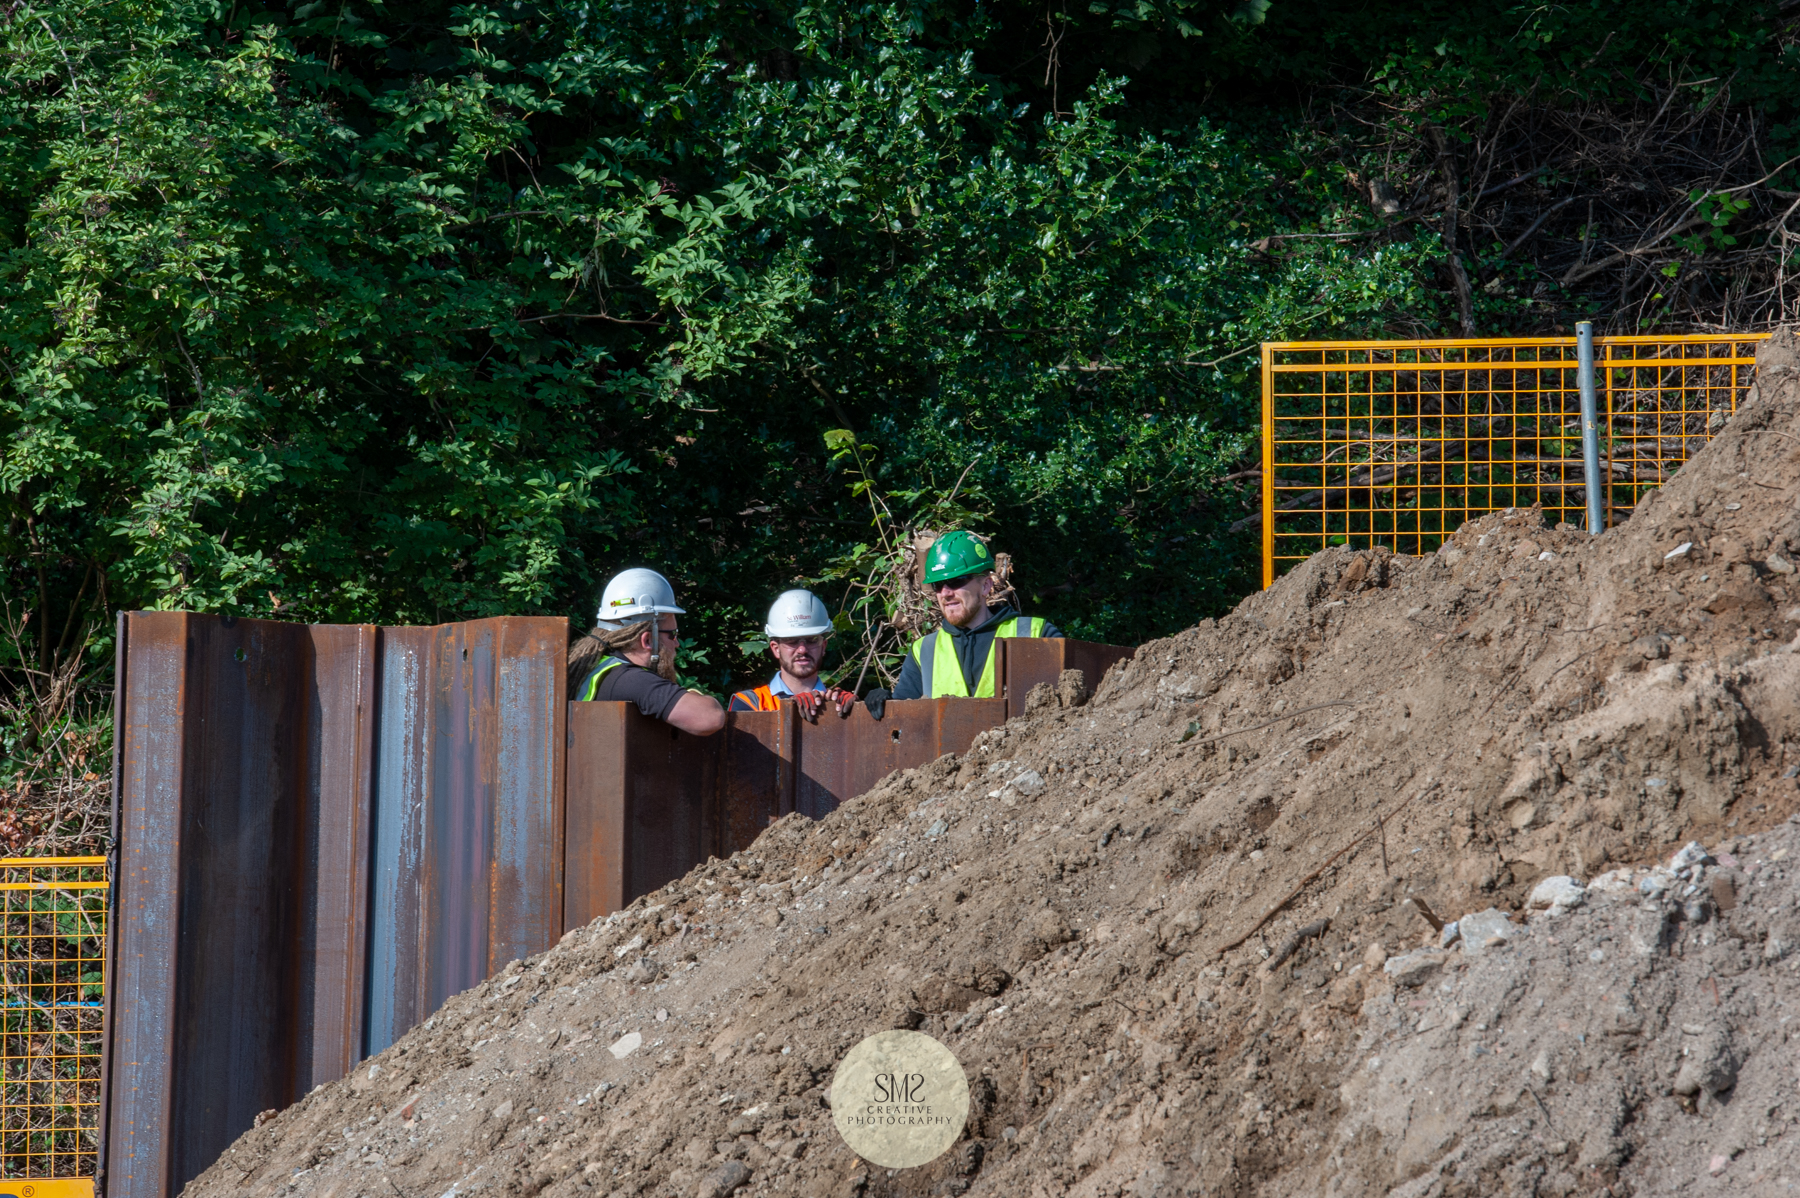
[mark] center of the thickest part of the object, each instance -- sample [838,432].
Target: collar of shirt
[778,687]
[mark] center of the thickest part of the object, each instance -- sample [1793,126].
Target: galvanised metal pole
[1590,424]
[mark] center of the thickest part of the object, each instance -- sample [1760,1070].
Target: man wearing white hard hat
[799,628]
[630,655]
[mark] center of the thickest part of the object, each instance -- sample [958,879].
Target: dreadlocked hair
[586,652]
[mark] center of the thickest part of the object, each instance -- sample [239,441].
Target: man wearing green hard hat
[956,660]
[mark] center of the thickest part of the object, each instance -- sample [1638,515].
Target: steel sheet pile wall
[324,832]
[467,811]
[1028,662]
[250,808]
[647,803]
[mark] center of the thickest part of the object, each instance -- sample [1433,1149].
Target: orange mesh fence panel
[52,937]
[1397,443]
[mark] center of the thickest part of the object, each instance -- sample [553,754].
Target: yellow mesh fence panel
[52,943]
[1397,443]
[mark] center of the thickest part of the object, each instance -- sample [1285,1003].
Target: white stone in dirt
[1028,783]
[1710,1065]
[1414,969]
[625,1045]
[1556,895]
[1646,929]
[1450,934]
[1614,883]
[1692,853]
[1679,551]
[1482,926]
[504,1110]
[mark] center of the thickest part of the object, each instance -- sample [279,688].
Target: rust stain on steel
[756,772]
[333,892]
[843,757]
[141,984]
[468,820]
[594,830]
[213,804]
[671,779]
[527,873]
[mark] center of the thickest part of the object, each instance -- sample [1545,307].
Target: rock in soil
[1095,944]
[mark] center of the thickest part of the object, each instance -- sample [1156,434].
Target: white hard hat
[633,595]
[798,613]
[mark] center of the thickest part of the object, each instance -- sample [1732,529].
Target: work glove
[809,703]
[876,702]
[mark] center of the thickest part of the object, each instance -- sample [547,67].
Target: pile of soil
[1174,933]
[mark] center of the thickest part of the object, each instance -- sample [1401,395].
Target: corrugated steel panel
[334,886]
[594,845]
[1028,661]
[397,840]
[646,803]
[205,1017]
[468,811]
[263,769]
[841,757]
[141,978]
[326,831]
[643,800]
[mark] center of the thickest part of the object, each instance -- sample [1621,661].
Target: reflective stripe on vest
[760,699]
[591,686]
[940,672]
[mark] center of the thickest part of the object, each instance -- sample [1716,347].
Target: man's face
[962,599]
[800,656]
[671,640]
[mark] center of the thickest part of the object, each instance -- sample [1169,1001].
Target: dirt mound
[1156,929]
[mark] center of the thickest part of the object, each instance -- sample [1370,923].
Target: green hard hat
[956,555]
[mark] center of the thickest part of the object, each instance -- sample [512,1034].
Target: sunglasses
[953,584]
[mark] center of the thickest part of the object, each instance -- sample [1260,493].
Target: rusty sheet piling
[267,771]
[325,831]
[467,811]
[646,803]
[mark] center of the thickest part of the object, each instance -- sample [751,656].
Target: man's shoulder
[1035,626]
[616,674]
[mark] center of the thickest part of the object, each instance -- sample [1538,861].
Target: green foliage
[405,312]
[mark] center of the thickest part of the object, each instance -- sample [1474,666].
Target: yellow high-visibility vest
[590,686]
[941,673]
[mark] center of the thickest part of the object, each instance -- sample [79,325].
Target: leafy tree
[410,311]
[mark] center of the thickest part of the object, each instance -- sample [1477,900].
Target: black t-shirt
[654,695]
